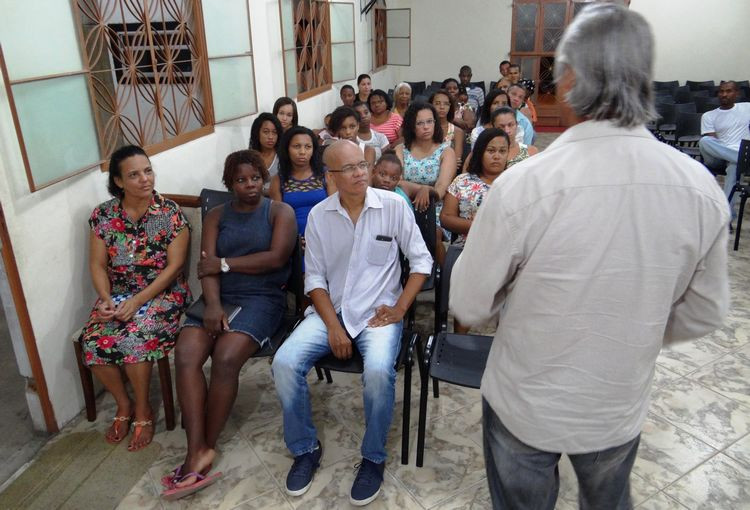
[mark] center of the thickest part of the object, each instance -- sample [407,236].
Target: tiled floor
[694,452]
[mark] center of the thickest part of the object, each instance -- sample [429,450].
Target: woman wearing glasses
[429,162]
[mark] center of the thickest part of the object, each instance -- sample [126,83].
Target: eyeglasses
[425,123]
[350,169]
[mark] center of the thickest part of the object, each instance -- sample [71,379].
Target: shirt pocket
[378,251]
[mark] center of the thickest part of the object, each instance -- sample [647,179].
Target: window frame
[353,42]
[301,96]
[382,35]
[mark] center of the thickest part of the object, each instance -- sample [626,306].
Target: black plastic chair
[667,113]
[450,357]
[687,133]
[682,95]
[743,84]
[695,94]
[706,104]
[669,127]
[697,85]
[666,85]
[417,88]
[492,85]
[295,284]
[436,85]
[743,170]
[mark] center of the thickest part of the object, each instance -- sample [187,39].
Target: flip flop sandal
[138,427]
[200,483]
[116,420]
[168,481]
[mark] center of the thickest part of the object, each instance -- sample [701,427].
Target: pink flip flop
[168,481]
[181,492]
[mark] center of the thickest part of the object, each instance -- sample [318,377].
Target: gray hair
[402,85]
[610,51]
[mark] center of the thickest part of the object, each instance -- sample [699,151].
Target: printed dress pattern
[469,190]
[137,254]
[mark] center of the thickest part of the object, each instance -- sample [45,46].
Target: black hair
[285,163]
[338,117]
[409,126]
[258,123]
[515,65]
[346,87]
[504,62]
[381,93]
[389,156]
[362,77]
[505,110]
[487,107]
[283,101]
[464,68]
[117,157]
[480,146]
[248,157]
[357,103]
[451,108]
[461,90]
[448,80]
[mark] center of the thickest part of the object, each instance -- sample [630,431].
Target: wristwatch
[224,265]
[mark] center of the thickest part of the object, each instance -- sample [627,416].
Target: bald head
[342,152]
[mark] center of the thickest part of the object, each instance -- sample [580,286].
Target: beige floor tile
[686,357]
[661,501]
[740,451]
[270,500]
[729,376]
[719,483]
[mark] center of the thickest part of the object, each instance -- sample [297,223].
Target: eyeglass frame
[351,168]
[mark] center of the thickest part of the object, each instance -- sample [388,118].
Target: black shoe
[300,476]
[366,486]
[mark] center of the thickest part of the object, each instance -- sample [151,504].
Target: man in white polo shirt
[723,129]
[352,275]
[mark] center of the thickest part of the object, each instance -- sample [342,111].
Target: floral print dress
[426,171]
[136,255]
[469,190]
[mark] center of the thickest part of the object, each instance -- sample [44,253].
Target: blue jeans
[308,343]
[715,154]
[521,477]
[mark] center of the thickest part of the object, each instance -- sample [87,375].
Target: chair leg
[329,379]
[743,199]
[406,423]
[167,396]
[319,373]
[423,391]
[435,388]
[87,383]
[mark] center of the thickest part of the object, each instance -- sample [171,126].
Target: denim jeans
[521,477]
[308,343]
[714,154]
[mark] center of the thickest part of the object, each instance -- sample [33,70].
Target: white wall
[49,228]
[699,40]
[446,34]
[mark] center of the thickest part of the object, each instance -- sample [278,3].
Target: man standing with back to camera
[594,253]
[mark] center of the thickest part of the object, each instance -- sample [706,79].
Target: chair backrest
[743,83]
[666,85]
[296,282]
[706,104]
[696,85]
[492,85]
[451,256]
[436,85]
[743,158]
[417,87]
[700,93]
[685,107]
[210,198]
[682,95]
[666,113]
[427,223]
[687,124]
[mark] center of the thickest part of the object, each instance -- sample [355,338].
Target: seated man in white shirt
[723,129]
[476,94]
[353,279]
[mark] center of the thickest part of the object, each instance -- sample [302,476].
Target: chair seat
[693,152]
[270,348]
[460,359]
[692,139]
[667,127]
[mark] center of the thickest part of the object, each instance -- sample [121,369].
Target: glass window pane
[554,15]
[398,52]
[57,125]
[343,61]
[287,24]
[526,15]
[290,68]
[525,39]
[38,38]
[232,87]
[551,37]
[398,23]
[342,22]
[227,27]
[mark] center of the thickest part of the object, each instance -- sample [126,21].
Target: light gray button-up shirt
[593,253]
[358,265]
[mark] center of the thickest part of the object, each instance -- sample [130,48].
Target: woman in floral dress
[467,191]
[139,244]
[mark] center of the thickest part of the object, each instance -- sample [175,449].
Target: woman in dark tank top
[246,246]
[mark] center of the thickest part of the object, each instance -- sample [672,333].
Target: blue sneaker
[300,476]
[366,486]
